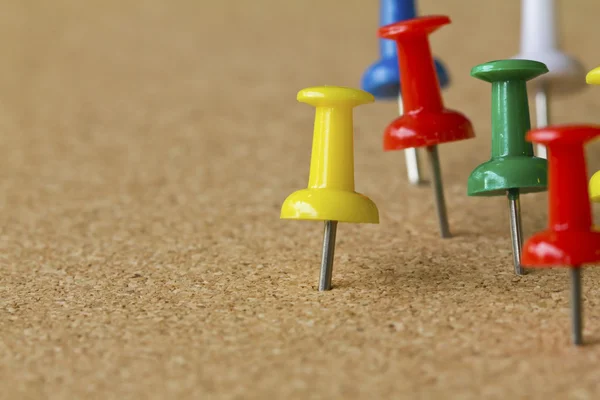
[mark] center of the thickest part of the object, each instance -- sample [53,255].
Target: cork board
[145,150]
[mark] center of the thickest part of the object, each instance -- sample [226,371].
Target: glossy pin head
[595,187]
[330,194]
[593,77]
[425,121]
[569,239]
[512,165]
[539,42]
[382,79]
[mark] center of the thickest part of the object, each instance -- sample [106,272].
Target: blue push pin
[382,79]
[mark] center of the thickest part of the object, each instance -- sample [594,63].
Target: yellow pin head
[330,195]
[334,96]
[595,187]
[593,77]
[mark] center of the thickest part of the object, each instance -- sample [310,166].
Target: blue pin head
[382,79]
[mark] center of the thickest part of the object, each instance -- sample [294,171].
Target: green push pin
[513,169]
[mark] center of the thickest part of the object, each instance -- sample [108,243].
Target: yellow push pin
[595,187]
[593,78]
[330,195]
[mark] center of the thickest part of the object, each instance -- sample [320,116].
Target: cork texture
[146,148]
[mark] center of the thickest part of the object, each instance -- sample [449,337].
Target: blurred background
[140,85]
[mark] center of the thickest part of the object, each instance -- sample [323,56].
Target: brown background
[145,150]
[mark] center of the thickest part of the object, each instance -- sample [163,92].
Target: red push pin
[570,239]
[425,123]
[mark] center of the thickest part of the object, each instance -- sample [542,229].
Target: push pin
[382,79]
[595,187]
[513,170]
[539,42]
[330,195]
[570,239]
[593,78]
[425,123]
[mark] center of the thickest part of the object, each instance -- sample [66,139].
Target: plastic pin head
[593,77]
[539,41]
[595,187]
[569,239]
[382,79]
[426,122]
[512,165]
[330,195]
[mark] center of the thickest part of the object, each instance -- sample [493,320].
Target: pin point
[569,240]
[330,195]
[382,79]
[539,42]
[513,170]
[425,123]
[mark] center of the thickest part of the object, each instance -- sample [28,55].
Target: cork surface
[145,150]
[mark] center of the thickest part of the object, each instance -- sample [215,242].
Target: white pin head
[539,42]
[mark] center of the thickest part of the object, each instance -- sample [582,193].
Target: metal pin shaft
[327,257]
[577,323]
[412,166]
[411,155]
[516,231]
[438,190]
[541,115]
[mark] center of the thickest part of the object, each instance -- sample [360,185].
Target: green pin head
[513,165]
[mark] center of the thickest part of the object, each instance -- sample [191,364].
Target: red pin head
[425,121]
[569,240]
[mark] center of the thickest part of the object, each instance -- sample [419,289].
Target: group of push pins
[408,72]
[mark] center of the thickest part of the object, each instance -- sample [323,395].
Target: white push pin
[539,42]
